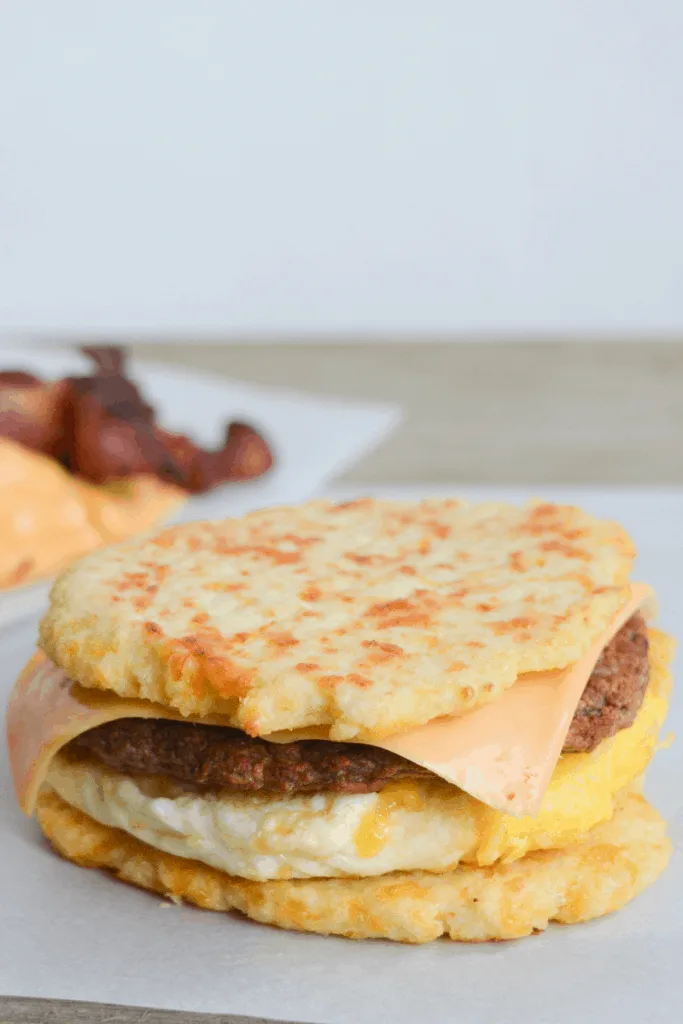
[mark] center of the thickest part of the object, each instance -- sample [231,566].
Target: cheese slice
[47,710]
[503,754]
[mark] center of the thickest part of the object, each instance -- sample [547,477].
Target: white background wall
[341,165]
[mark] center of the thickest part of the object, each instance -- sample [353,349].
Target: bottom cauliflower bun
[592,877]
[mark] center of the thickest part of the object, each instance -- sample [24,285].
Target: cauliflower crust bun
[367,618]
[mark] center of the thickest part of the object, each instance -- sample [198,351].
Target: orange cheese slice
[46,710]
[503,754]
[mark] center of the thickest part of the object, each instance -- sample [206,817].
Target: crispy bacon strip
[101,428]
[110,428]
[244,455]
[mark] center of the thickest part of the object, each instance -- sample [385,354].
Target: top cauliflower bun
[364,618]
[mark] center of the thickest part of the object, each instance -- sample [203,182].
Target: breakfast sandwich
[375,719]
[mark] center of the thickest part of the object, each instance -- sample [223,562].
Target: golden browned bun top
[364,618]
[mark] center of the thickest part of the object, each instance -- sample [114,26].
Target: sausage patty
[214,757]
[615,690]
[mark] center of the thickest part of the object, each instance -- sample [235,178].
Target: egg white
[267,836]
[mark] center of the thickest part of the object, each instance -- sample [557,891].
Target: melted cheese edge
[410,825]
[504,754]
[48,517]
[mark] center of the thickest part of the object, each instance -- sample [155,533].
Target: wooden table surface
[605,413]
[56,1011]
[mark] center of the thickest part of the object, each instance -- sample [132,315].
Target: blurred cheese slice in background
[48,517]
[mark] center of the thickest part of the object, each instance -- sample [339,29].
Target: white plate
[70,934]
[313,438]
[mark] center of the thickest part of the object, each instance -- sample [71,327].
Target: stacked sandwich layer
[242,689]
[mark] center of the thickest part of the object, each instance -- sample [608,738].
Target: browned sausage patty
[217,758]
[615,690]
